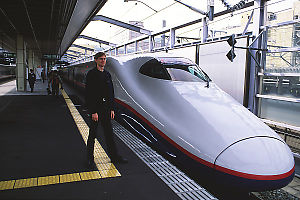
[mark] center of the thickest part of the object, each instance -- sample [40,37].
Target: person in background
[43,75]
[100,104]
[55,80]
[31,79]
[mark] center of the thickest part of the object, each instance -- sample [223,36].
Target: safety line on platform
[105,168]
[56,179]
[101,159]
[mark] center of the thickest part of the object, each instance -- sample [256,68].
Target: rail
[4,78]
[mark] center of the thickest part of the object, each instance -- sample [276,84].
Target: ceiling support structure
[122,24]
[172,37]
[259,17]
[50,28]
[70,55]
[9,21]
[96,40]
[142,3]
[249,21]
[76,52]
[32,29]
[171,43]
[83,13]
[66,57]
[205,30]
[82,47]
[192,8]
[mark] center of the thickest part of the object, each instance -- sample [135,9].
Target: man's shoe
[90,161]
[119,159]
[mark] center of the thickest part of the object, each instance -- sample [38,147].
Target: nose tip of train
[259,163]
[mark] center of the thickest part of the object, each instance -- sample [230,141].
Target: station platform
[43,155]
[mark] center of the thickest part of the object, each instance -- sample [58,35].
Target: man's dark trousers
[104,118]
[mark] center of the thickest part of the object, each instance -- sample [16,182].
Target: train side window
[155,69]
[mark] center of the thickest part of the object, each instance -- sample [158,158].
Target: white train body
[200,126]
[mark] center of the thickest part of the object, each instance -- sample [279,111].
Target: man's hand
[95,117]
[112,114]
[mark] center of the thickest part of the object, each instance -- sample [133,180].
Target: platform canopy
[122,21]
[48,26]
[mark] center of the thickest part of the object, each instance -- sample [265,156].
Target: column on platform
[21,63]
[31,62]
[37,65]
[37,60]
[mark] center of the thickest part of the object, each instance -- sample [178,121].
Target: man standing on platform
[55,81]
[100,104]
[31,79]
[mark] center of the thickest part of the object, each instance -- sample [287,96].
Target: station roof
[48,26]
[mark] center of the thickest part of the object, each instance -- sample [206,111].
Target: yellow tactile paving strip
[50,180]
[102,161]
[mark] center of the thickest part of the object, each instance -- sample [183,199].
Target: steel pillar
[136,46]
[259,17]
[205,30]
[172,37]
[163,36]
[151,39]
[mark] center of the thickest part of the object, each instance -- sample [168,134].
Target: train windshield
[190,73]
[176,69]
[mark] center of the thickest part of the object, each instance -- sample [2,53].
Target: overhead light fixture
[142,3]
[209,14]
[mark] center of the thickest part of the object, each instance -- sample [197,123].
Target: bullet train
[174,106]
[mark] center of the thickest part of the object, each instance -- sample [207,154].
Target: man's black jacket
[98,86]
[31,77]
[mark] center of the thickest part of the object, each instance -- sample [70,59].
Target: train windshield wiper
[207,83]
[195,70]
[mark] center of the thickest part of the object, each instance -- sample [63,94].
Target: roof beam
[82,47]
[82,14]
[67,58]
[32,29]
[8,19]
[77,52]
[193,8]
[70,55]
[121,24]
[96,40]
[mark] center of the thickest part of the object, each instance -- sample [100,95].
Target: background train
[172,105]
[7,72]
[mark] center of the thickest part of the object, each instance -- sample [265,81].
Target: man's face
[101,61]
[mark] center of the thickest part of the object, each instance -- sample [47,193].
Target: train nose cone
[259,163]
